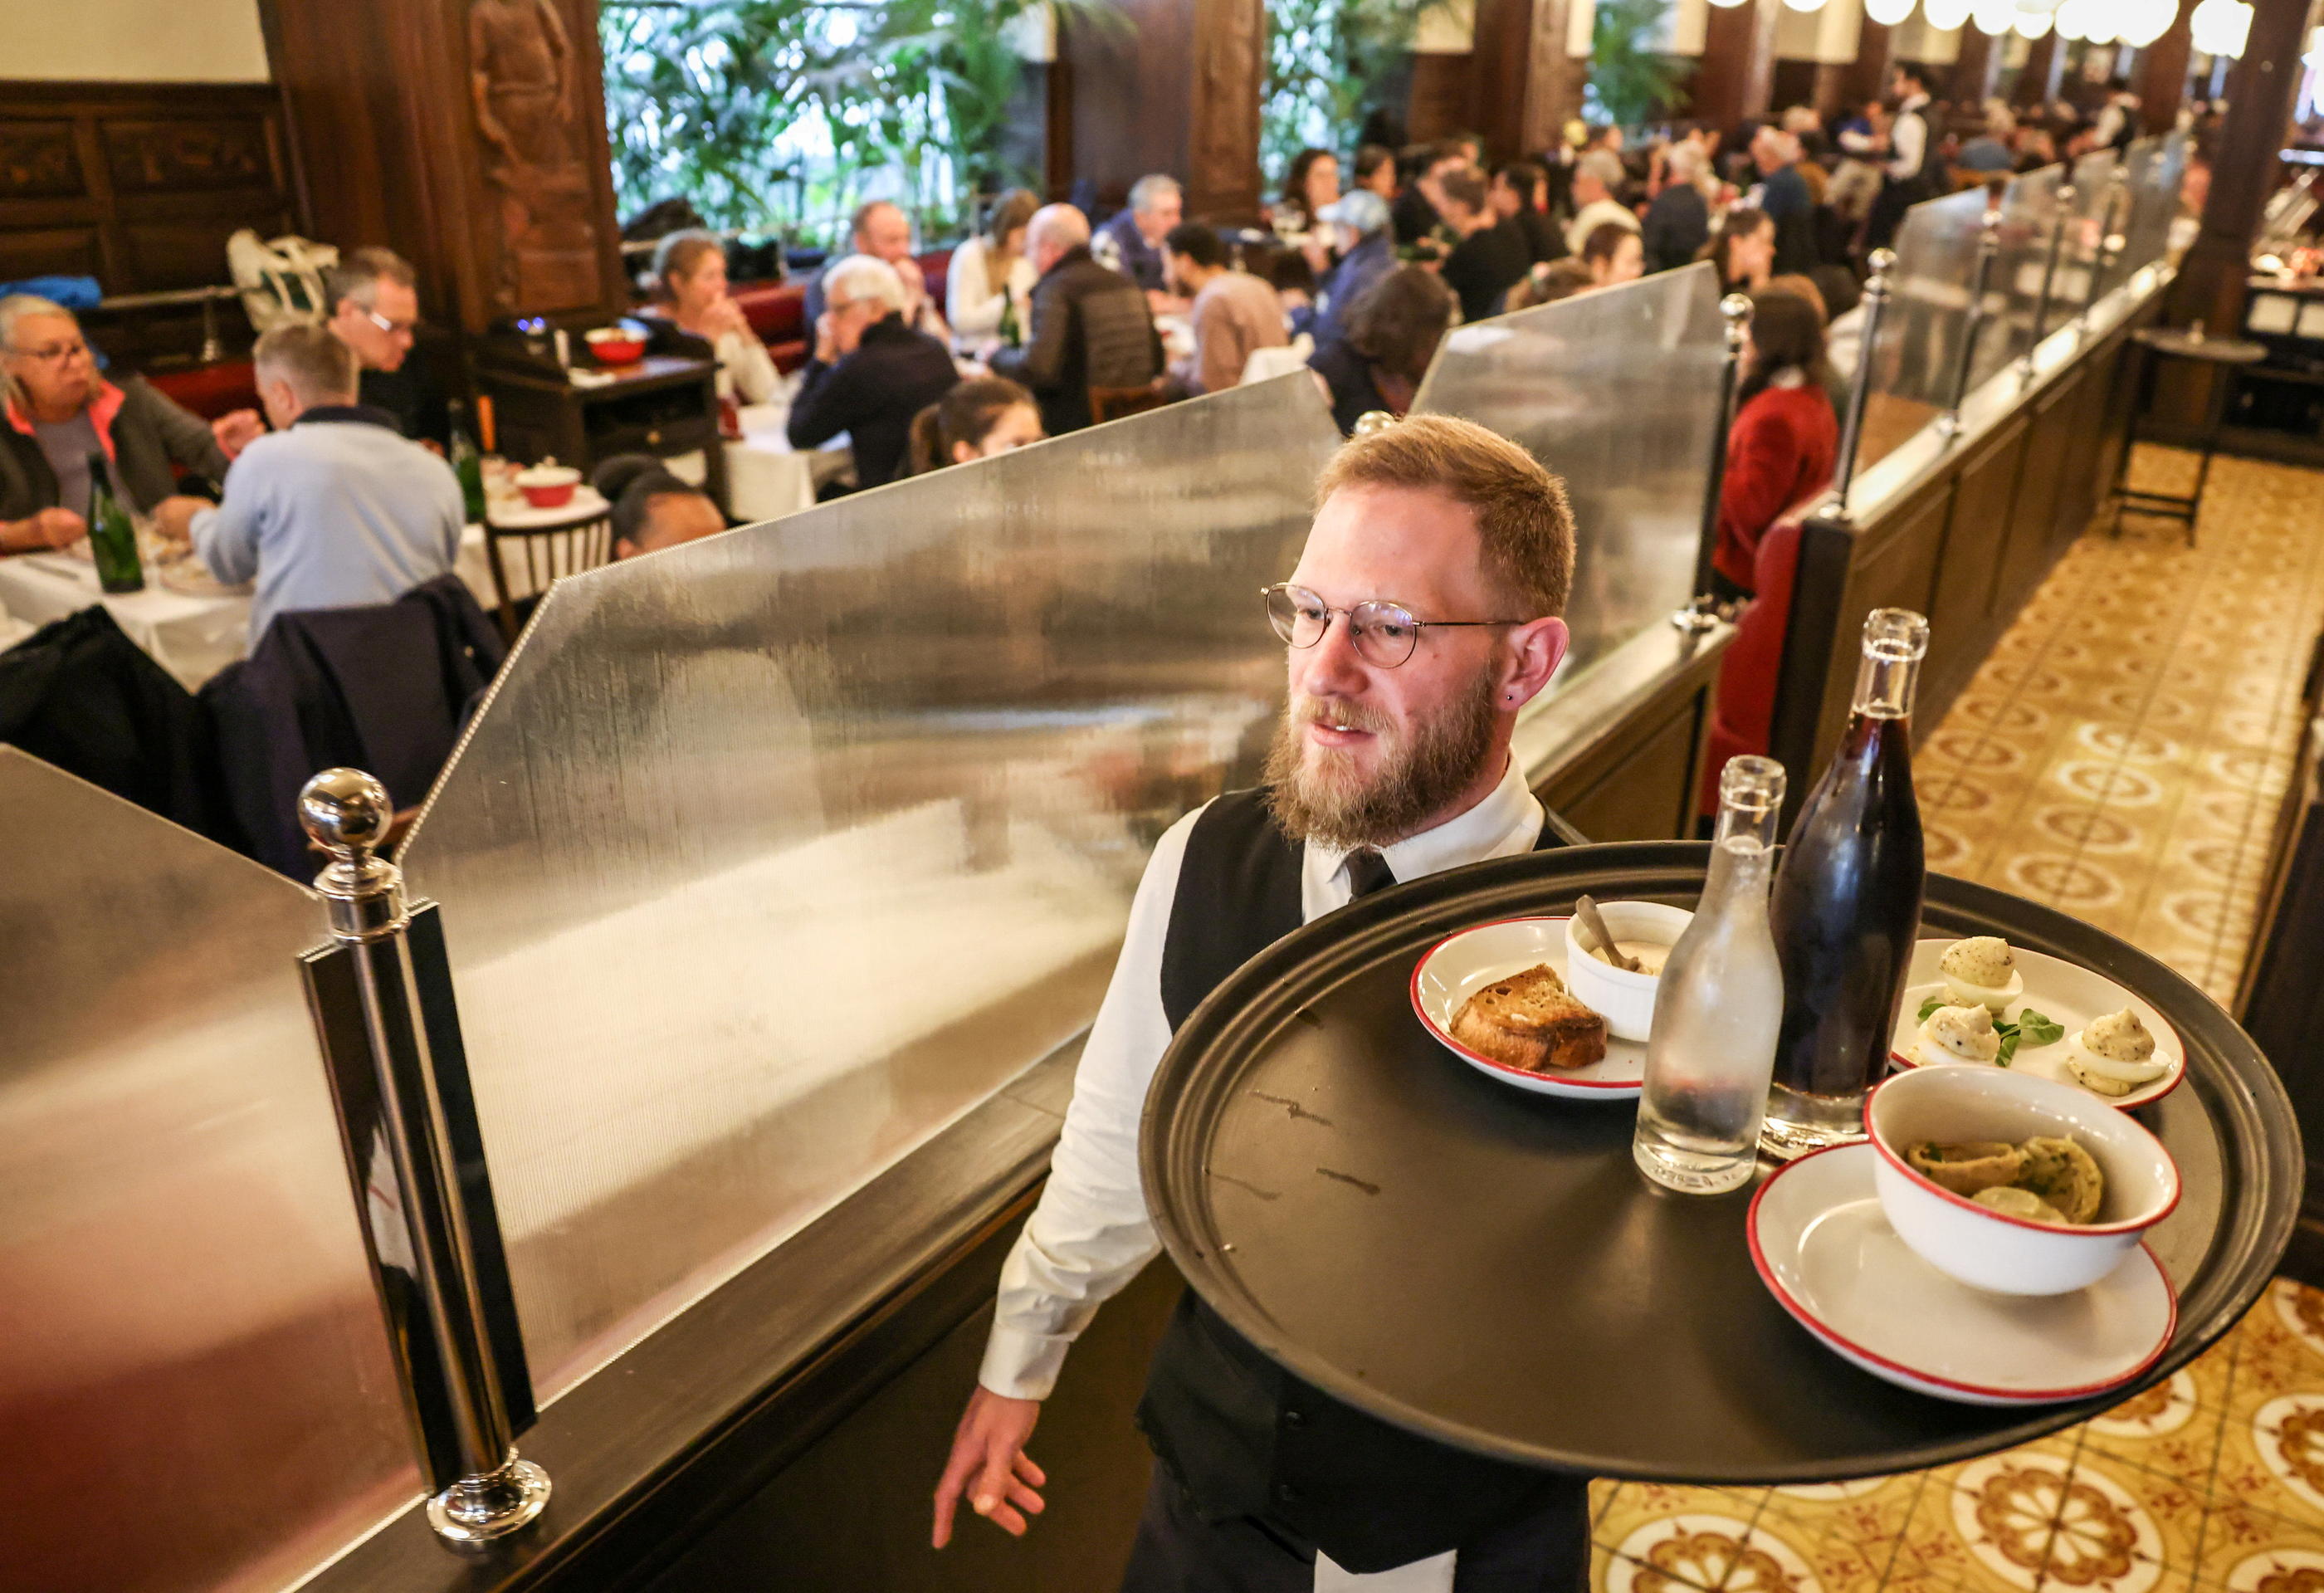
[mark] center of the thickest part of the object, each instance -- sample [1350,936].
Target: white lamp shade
[1730,5]
[2072,20]
[1805,4]
[2146,21]
[1888,12]
[1945,15]
[1994,17]
[2221,27]
[2033,24]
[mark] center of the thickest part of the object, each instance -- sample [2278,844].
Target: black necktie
[1367,871]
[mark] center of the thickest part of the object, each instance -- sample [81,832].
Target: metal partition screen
[2157,166]
[195,1381]
[2029,219]
[1927,314]
[1617,393]
[774,853]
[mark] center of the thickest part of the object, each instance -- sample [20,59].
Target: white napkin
[1421,1576]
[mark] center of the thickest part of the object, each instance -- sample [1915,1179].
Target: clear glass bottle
[112,535]
[1713,1042]
[1847,905]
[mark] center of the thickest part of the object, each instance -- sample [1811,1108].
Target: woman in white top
[690,269]
[990,271]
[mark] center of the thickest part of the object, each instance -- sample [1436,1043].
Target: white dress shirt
[1908,138]
[1090,1233]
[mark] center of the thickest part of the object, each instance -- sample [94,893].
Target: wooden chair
[526,558]
[1111,403]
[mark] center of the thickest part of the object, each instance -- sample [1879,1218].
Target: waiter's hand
[236,431]
[989,1463]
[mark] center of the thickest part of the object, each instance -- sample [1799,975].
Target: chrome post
[2048,279]
[2111,241]
[1989,246]
[1877,291]
[213,346]
[381,996]
[1702,613]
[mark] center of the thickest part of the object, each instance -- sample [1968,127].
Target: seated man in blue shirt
[334,508]
[1132,241]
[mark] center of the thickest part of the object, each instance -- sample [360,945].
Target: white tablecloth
[767,477]
[192,637]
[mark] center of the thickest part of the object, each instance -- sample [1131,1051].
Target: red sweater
[1782,449]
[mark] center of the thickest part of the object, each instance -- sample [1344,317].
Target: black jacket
[385,688]
[1349,376]
[1090,328]
[1244,1437]
[1484,266]
[83,695]
[1545,240]
[1414,217]
[1677,226]
[872,394]
[151,436]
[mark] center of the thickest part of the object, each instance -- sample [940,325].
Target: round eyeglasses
[1383,632]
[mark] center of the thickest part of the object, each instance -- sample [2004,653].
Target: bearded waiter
[1423,615]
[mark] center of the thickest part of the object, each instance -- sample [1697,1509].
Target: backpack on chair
[280,279]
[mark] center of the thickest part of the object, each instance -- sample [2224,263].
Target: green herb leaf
[2037,1030]
[1929,1006]
[2009,1047]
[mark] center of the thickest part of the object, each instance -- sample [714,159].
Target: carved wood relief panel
[529,80]
[137,184]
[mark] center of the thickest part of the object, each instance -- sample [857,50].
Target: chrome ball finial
[1882,262]
[1372,421]
[346,811]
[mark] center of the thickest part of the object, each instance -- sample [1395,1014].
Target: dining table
[189,625]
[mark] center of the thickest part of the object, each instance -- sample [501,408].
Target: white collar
[1791,375]
[1485,830]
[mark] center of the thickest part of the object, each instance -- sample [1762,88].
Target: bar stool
[2226,357]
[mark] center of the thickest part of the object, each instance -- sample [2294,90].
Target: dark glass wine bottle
[112,538]
[1846,904]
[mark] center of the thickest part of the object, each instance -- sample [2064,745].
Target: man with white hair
[1783,193]
[872,370]
[336,508]
[1131,243]
[1678,223]
[1597,179]
[1091,327]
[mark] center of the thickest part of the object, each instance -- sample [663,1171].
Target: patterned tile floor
[2121,756]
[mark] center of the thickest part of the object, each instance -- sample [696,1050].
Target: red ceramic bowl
[550,497]
[617,350]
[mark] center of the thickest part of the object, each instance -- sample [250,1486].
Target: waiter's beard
[1317,793]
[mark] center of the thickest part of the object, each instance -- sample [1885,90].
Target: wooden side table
[662,405]
[2226,357]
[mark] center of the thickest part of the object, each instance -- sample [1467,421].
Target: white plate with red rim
[1825,1251]
[2068,994]
[1458,966]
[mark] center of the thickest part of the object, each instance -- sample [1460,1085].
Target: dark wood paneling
[387,106]
[2033,517]
[1735,77]
[1173,85]
[1962,623]
[138,184]
[1645,789]
[1440,104]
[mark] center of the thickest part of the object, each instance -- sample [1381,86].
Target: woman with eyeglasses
[60,411]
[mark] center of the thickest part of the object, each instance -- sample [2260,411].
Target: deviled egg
[1981,971]
[2114,1055]
[1959,1034]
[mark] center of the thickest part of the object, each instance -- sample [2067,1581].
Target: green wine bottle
[467,464]
[111,537]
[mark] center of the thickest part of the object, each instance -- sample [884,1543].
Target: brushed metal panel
[195,1381]
[1913,360]
[772,854]
[1617,393]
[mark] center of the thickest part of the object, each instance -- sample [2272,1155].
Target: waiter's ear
[1535,651]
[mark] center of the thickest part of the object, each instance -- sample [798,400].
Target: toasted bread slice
[1529,1020]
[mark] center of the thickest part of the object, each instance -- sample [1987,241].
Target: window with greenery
[1324,60]
[1630,79]
[780,116]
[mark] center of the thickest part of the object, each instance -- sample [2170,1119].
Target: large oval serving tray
[1486,1267]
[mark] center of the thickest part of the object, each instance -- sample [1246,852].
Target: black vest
[1244,1437]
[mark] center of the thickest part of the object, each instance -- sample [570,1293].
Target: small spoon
[1586,910]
